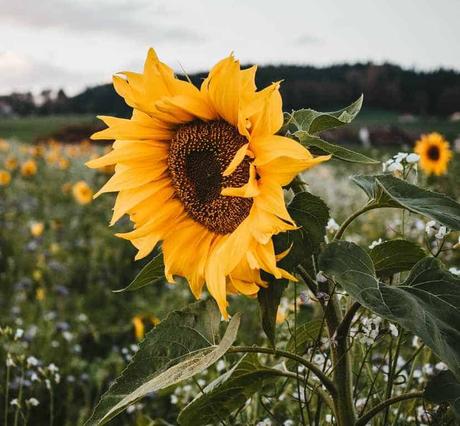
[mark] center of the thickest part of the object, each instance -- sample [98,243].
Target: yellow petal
[237,159]
[268,148]
[248,190]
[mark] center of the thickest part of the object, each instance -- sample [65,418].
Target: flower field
[65,335]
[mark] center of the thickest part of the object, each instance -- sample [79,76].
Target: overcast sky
[79,43]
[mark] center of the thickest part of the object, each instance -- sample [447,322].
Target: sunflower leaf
[389,191]
[182,345]
[228,392]
[337,151]
[427,303]
[395,256]
[150,274]
[269,299]
[312,122]
[444,387]
[311,214]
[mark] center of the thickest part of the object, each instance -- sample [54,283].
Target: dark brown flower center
[199,153]
[433,153]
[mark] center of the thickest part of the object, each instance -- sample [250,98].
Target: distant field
[28,129]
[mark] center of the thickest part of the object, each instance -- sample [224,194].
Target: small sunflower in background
[82,193]
[203,170]
[36,229]
[434,153]
[29,168]
[11,163]
[5,177]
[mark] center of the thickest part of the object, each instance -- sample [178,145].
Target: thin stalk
[363,420]
[302,415]
[326,381]
[18,407]
[7,391]
[392,369]
[352,217]
[51,405]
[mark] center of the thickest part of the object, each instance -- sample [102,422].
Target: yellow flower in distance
[202,170]
[82,193]
[11,163]
[139,328]
[36,228]
[5,177]
[434,153]
[4,145]
[29,168]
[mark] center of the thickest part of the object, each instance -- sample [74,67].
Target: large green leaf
[395,256]
[337,151]
[312,121]
[311,214]
[182,345]
[150,274]
[444,387]
[228,392]
[389,191]
[269,299]
[305,124]
[427,303]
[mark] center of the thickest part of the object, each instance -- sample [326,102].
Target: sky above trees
[78,43]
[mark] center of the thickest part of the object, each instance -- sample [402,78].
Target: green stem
[391,373]
[7,390]
[326,381]
[351,218]
[341,360]
[362,421]
[19,406]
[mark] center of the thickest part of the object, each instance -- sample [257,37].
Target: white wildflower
[9,361]
[395,167]
[320,278]
[393,330]
[18,334]
[220,365]
[440,366]
[52,368]
[442,232]
[32,361]
[174,399]
[375,243]
[15,402]
[33,402]
[455,271]
[288,422]
[400,156]
[412,158]
[332,225]
[431,228]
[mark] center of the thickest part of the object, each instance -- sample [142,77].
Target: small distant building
[455,116]
[5,109]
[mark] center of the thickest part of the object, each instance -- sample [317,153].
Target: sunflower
[11,163]
[5,177]
[434,153]
[29,168]
[82,193]
[202,171]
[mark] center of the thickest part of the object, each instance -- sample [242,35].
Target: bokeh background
[64,334]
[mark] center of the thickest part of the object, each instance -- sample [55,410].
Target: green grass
[27,129]
[420,124]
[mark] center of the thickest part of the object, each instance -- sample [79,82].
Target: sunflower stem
[371,205]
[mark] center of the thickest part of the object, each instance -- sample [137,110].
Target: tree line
[386,87]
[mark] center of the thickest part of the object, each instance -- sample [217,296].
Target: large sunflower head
[201,170]
[434,153]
